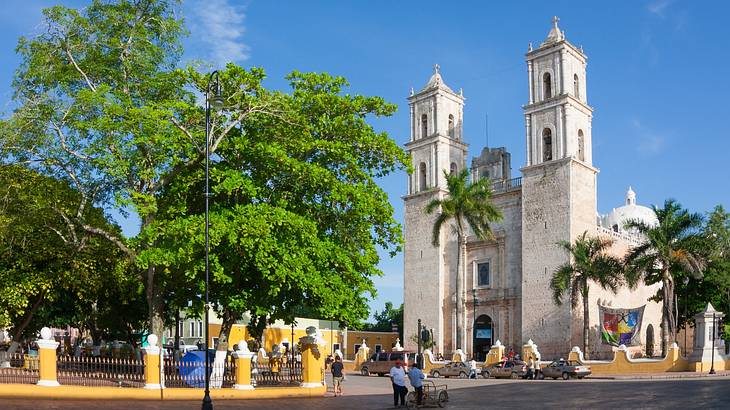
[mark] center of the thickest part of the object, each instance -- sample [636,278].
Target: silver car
[565,369]
[453,369]
[510,369]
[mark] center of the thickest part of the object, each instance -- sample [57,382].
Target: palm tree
[671,251]
[467,205]
[589,263]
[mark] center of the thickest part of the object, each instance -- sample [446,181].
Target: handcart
[433,395]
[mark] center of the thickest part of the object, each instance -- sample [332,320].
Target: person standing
[530,366]
[416,376]
[337,376]
[536,368]
[398,378]
[472,368]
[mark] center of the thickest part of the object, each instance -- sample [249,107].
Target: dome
[616,219]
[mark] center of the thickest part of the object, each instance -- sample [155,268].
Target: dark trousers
[399,392]
[419,395]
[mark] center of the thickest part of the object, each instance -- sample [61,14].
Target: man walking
[472,368]
[398,378]
[336,369]
[416,377]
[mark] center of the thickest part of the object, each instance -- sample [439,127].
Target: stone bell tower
[436,146]
[558,183]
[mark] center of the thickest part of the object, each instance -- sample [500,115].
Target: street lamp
[216,102]
[686,292]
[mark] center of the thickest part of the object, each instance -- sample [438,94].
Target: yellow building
[280,333]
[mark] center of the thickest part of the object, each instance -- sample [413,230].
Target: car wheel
[541,377]
[462,375]
[566,376]
[364,371]
[514,376]
[436,374]
[485,375]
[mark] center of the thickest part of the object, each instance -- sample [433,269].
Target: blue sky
[655,77]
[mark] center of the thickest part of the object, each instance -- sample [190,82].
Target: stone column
[701,359]
[47,359]
[312,360]
[152,364]
[530,81]
[243,357]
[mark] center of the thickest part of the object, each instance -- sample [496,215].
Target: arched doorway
[483,336]
[650,341]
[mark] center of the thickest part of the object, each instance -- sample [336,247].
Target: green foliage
[589,263]
[385,319]
[467,203]
[672,251]
[50,271]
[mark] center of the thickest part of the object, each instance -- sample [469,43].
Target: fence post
[312,360]
[243,358]
[47,359]
[152,367]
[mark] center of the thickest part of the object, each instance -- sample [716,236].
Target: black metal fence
[268,374]
[100,371]
[18,368]
[191,374]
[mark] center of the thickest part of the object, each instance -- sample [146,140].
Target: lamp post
[216,103]
[686,292]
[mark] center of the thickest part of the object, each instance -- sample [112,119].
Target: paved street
[374,393]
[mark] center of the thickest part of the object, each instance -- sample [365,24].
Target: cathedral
[502,289]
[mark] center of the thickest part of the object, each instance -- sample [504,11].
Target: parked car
[509,369]
[381,362]
[453,369]
[565,369]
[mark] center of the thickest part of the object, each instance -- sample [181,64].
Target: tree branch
[73,61]
[112,238]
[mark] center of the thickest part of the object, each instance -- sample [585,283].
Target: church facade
[503,287]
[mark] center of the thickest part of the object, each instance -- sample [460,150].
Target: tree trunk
[229,319]
[458,291]
[586,321]
[27,317]
[155,304]
[668,321]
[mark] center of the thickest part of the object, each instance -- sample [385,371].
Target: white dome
[616,219]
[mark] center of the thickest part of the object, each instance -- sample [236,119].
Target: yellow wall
[621,363]
[386,339]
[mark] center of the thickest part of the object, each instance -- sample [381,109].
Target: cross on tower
[555,21]
[436,68]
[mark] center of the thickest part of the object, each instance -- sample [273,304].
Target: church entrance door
[483,335]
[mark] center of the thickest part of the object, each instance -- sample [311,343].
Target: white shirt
[398,375]
[473,364]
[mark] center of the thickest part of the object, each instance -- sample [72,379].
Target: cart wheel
[566,376]
[443,398]
[411,400]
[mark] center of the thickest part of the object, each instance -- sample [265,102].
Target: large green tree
[101,104]
[468,205]
[671,251]
[589,263]
[297,216]
[48,264]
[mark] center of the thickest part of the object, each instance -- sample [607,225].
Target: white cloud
[219,25]
[658,7]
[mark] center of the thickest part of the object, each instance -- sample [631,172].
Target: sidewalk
[667,375]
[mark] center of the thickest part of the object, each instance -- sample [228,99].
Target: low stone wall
[623,363]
